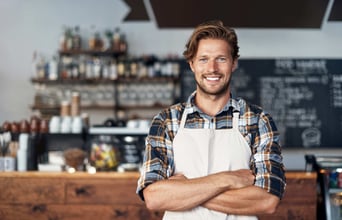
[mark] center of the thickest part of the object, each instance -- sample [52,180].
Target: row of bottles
[73,39]
[24,145]
[93,67]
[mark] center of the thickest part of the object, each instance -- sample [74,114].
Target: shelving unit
[126,92]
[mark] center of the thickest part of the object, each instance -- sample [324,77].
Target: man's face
[213,66]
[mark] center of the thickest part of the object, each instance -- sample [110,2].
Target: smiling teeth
[212,78]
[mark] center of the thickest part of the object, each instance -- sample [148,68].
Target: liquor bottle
[53,68]
[76,39]
[32,163]
[42,151]
[116,40]
[23,146]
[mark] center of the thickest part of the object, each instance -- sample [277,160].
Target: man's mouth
[212,78]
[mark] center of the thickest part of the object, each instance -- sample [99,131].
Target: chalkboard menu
[304,97]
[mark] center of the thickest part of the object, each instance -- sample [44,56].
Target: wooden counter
[102,196]
[300,199]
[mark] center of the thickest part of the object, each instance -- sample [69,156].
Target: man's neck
[211,104]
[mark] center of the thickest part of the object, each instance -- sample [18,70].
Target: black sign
[304,97]
[238,14]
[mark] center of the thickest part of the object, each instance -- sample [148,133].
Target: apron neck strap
[236,115]
[187,110]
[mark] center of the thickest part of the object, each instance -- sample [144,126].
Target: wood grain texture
[102,196]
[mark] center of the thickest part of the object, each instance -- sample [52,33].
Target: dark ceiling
[241,14]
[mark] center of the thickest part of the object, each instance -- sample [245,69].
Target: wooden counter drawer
[76,212]
[30,190]
[114,191]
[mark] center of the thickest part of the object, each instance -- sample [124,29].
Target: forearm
[179,193]
[250,200]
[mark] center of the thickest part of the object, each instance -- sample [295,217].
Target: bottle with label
[97,67]
[42,151]
[53,68]
[76,39]
[33,143]
[95,42]
[65,41]
[116,40]
[113,70]
[108,43]
[75,73]
[82,67]
[40,67]
[123,44]
[23,146]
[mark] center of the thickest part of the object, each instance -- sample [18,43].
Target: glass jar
[104,153]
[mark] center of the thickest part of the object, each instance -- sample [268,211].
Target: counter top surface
[108,175]
[78,175]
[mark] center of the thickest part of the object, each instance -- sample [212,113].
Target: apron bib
[200,152]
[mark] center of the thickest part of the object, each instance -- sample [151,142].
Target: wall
[36,25]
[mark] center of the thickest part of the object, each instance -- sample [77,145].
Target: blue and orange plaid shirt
[256,126]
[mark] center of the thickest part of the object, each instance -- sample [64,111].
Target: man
[215,156]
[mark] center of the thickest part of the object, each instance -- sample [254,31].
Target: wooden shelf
[92,53]
[122,107]
[72,81]
[46,107]
[161,79]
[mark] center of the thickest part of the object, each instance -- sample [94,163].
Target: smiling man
[214,156]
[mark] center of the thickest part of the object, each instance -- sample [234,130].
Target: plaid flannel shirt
[256,126]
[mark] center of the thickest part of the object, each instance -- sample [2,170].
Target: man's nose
[212,66]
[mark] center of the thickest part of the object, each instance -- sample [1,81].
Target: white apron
[199,152]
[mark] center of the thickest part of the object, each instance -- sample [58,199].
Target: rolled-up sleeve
[267,158]
[156,165]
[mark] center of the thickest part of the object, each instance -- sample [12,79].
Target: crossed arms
[230,192]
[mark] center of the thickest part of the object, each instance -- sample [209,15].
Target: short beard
[221,92]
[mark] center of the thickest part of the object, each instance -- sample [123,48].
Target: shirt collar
[232,103]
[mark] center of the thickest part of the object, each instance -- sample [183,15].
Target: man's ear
[191,65]
[235,65]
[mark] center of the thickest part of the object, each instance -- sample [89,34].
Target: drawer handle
[119,213]
[39,208]
[81,191]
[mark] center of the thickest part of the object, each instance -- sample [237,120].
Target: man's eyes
[221,59]
[218,60]
[203,60]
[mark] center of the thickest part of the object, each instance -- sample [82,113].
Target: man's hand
[240,178]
